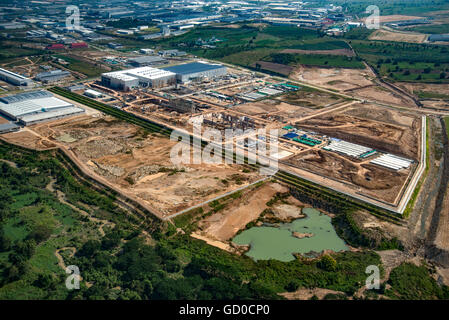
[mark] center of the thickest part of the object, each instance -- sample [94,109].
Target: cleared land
[139,163]
[397,17]
[400,36]
[310,98]
[334,78]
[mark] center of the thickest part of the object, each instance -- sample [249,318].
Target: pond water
[279,242]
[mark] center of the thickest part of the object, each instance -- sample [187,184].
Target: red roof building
[77,45]
[56,46]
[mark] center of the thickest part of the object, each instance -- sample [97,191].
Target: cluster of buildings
[148,77]
[35,107]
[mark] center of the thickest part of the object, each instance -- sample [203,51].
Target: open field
[139,163]
[397,17]
[334,78]
[310,98]
[386,35]
[381,94]
[336,52]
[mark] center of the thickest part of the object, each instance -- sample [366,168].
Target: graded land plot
[272,108]
[381,94]
[310,98]
[397,17]
[334,78]
[430,95]
[26,138]
[139,164]
[400,36]
[374,181]
[383,129]
[225,224]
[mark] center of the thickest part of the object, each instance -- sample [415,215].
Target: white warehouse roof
[139,73]
[51,115]
[391,161]
[19,109]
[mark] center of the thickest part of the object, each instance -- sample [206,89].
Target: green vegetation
[410,282]
[35,223]
[331,61]
[446,121]
[432,29]
[431,95]
[403,7]
[405,61]
[82,66]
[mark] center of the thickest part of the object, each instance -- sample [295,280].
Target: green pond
[278,242]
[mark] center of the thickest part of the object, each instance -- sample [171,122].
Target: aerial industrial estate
[95,111]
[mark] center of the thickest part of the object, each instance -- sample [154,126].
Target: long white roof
[22,108]
[52,114]
[138,73]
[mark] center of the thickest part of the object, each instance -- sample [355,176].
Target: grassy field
[432,29]
[320,60]
[81,66]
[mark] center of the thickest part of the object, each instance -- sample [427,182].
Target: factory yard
[139,164]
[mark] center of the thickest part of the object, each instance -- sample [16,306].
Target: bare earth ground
[27,139]
[140,164]
[380,94]
[397,17]
[224,225]
[387,35]
[334,78]
[270,108]
[426,87]
[310,99]
[306,294]
[3,120]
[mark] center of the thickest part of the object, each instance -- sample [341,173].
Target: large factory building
[138,77]
[15,79]
[197,70]
[34,107]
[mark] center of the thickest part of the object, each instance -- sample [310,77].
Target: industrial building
[14,78]
[196,70]
[93,94]
[9,127]
[347,148]
[52,76]
[138,77]
[34,107]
